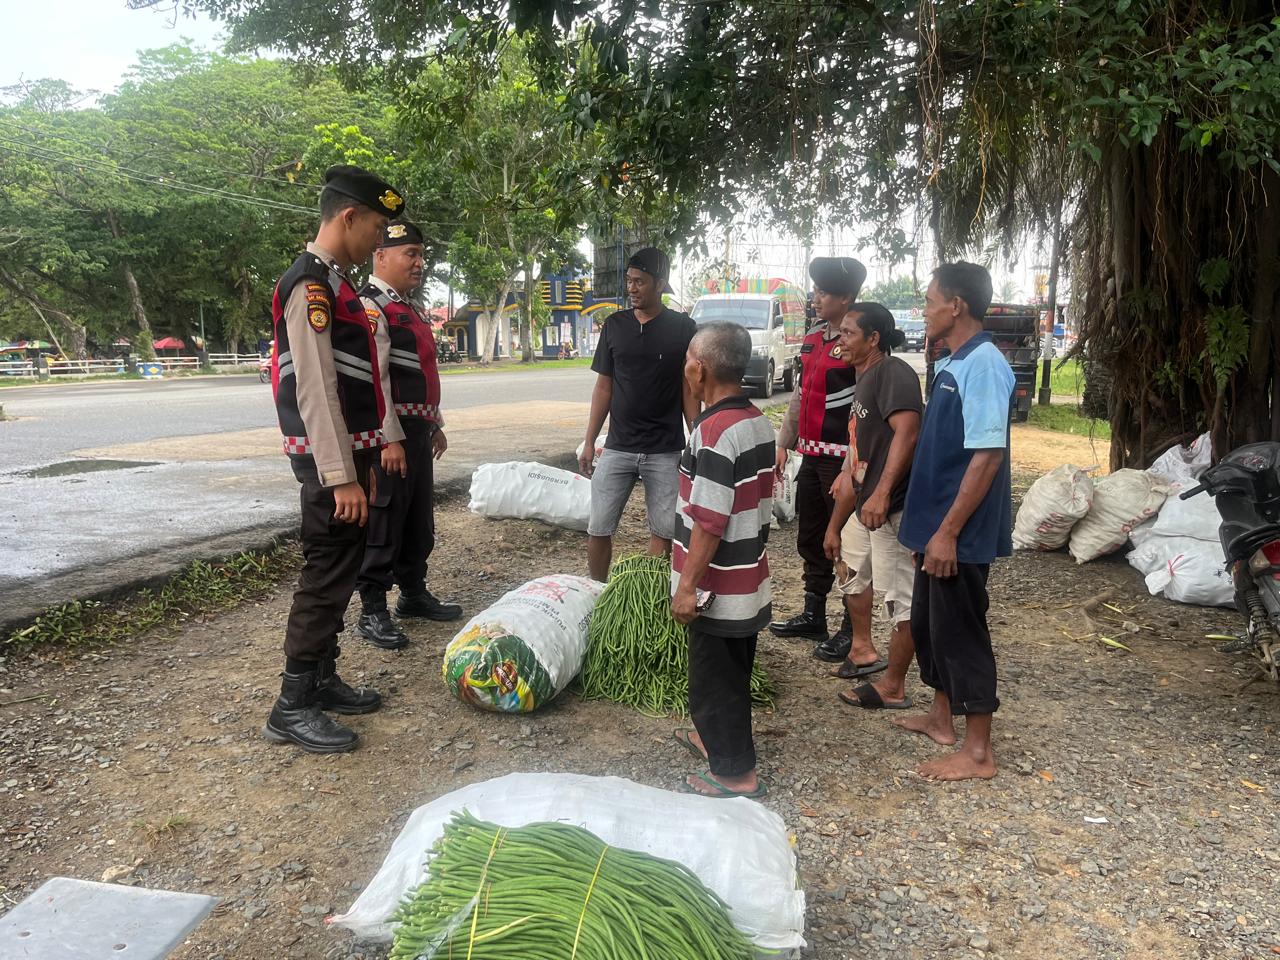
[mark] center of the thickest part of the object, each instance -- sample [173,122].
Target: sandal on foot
[721,791]
[868,698]
[681,736]
[851,671]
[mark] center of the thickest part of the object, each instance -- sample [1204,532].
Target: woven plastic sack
[1197,517]
[737,847]
[1053,505]
[531,491]
[1121,502]
[1186,570]
[516,655]
[1180,464]
[784,491]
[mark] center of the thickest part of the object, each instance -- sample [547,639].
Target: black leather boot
[378,628]
[335,695]
[424,606]
[837,647]
[297,718]
[810,625]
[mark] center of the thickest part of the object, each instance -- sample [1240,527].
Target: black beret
[842,276]
[399,233]
[653,262]
[369,189]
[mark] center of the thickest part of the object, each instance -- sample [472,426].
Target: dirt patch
[1134,814]
[1039,451]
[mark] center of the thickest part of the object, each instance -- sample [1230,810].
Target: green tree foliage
[183,191]
[896,293]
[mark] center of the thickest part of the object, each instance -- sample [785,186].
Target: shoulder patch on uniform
[317,292]
[806,348]
[318,313]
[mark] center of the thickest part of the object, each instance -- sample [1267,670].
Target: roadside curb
[24,600]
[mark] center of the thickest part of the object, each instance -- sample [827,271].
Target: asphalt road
[108,483]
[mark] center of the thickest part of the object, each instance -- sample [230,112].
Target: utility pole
[1051,296]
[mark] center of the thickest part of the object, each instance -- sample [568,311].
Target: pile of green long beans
[550,891]
[636,652]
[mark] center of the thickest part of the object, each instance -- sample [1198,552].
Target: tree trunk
[526,324]
[146,349]
[74,336]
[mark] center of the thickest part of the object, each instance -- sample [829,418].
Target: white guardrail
[80,368]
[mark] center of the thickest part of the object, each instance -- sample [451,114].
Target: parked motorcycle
[1245,486]
[264,370]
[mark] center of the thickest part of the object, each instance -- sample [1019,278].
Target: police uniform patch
[836,353]
[372,316]
[318,317]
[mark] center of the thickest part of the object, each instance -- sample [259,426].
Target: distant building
[575,320]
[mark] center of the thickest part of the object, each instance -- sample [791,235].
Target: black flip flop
[848,671]
[868,698]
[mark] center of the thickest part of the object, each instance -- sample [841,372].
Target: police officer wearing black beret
[401,517]
[817,426]
[330,405]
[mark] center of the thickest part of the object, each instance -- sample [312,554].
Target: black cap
[399,233]
[653,262]
[359,184]
[842,276]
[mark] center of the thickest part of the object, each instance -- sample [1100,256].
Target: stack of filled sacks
[1178,551]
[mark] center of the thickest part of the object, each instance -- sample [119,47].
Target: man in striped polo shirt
[719,567]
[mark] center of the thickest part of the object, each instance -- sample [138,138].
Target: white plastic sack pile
[1180,464]
[737,847]
[1185,569]
[1121,501]
[1052,507]
[599,448]
[520,653]
[784,492]
[531,491]
[1179,552]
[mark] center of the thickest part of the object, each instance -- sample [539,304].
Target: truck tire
[766,388]
[789,377]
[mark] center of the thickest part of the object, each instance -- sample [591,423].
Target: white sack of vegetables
[531,491]
[518,654]
[737,848]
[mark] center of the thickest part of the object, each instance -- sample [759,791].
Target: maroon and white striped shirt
[726,488]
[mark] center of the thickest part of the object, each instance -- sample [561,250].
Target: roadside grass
[199,588]
[775,412]
[512,366]
[1066,418]
[1066,378]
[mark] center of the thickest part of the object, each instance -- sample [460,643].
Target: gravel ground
[1134,814]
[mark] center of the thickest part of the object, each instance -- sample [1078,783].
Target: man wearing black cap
[817,426]
[640,385]
[401,519]
[330,406]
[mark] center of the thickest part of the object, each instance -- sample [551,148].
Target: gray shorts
[614,478]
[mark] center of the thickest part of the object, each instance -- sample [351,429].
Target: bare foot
[943,733]
[693,739]
[960,765]
[747,783]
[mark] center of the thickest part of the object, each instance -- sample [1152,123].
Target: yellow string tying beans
[583,915]
[475,914]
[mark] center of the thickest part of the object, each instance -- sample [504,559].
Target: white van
[776,324]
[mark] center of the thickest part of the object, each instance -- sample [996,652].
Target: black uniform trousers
[814,506]
[953,644]
[331,554]
[402,525]
[720,699]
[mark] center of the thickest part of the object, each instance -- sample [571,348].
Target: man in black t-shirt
[640,385]
[862,537]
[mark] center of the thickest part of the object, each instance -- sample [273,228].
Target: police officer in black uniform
[401,517]
[330,406]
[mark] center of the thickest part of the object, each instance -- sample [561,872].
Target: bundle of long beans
[550,891]
[637,653]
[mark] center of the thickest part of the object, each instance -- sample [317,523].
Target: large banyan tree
[1139,136]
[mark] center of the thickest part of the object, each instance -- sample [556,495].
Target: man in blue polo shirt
[956,520]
